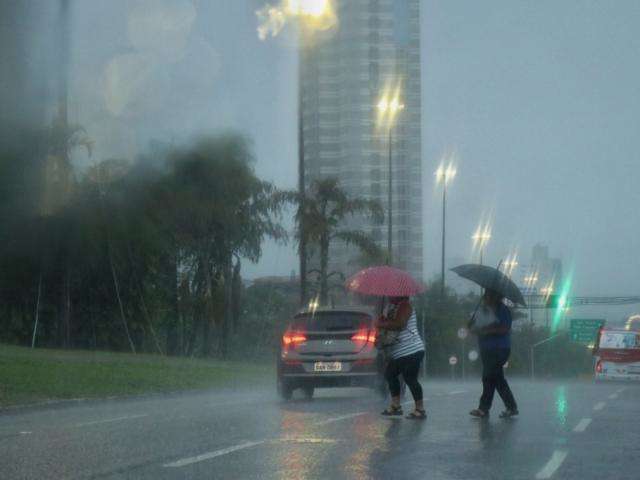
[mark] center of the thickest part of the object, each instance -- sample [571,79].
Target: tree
[220,211]
[326,208]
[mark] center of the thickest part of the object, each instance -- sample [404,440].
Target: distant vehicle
[329,347]
[617,354]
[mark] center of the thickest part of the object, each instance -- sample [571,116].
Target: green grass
[31,376]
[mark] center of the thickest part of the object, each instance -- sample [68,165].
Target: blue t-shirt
[496,341]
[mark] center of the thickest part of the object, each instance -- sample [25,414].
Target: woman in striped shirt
[404,355]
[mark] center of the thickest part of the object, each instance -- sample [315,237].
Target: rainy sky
[539,100]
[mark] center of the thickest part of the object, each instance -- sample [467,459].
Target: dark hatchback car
[329,347]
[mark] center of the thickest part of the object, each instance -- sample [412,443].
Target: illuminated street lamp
[444,176]
[547,290]
[308,13]
[310,8]
[389,107]
[509,265]
[480,239]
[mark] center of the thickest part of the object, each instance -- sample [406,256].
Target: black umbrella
[491,279]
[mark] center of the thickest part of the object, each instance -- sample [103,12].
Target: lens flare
[312,15]
[563,303]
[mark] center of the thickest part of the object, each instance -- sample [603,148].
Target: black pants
[408,367]
[493,361]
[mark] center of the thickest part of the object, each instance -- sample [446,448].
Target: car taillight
[364,336]
[293,338]
[599,367]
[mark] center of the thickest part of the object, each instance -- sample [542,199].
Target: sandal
[417,415]
[478,413]
[509,414]
[392,411]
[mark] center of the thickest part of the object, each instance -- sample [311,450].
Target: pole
[532,351]
[390,199]
[532,363]
[464,342]
[301,186]
[35,325]
[444,216]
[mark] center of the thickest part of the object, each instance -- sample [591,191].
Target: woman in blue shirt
[494,341]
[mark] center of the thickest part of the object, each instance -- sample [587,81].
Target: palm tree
[326,207]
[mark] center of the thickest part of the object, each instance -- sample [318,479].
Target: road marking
[207,456]
[621,390]
[613,396]
[110,420]
[457,392]
[25,433]
[599,406]
[582,425]
[552,465]
[298,439]
[337,419]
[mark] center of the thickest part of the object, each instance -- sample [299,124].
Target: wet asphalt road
[565,431]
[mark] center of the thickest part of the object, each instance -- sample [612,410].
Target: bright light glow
[482,235]
[547,290]
[563,302]
[293,338]
[390,106]
[313,15]
[531,280]
[312,8]
[510,264]
[445,174]
[314,304]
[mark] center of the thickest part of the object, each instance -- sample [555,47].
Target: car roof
[338,309]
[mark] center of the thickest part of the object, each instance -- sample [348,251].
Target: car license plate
[327,367]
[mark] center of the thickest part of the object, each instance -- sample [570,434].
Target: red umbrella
[384,282]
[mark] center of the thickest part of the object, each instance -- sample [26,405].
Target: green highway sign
[585,330]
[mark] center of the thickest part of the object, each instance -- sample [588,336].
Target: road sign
[463,333]
[453,360]
[585,330]
[473,355]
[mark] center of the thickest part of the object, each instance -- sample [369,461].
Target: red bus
[617,354]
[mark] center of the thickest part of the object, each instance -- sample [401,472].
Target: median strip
[582,425]
[552,465]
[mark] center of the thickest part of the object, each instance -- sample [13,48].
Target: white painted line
[110,420]
[342,417]
[621,390]
[599,406]
[457,392]
[552,465]
[613,396]
[207,456]
[582,425]
[25,433]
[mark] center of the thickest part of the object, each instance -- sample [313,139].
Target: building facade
[374,52]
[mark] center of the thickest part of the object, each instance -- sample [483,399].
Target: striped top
[409,341]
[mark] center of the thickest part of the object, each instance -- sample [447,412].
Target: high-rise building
[374,51]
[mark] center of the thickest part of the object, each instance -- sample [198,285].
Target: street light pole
[444,223]
[444,175]
[391,108]
[390,197]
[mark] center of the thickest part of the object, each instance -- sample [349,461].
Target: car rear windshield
[620,340]
[331,321]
